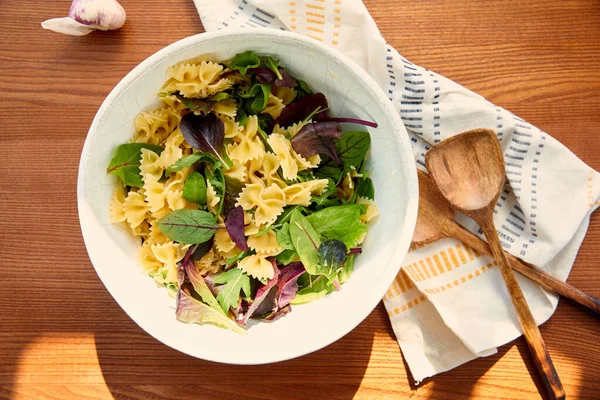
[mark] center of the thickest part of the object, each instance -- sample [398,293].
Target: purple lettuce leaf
[200,285]
[286,79]
[192,311]
[263,75]
[287,285]
[261,295]
[275,315]
[301,109]
[206,133]
[235,227]
[317,138]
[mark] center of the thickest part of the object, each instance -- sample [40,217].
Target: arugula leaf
[273,65]
[340,222]
[219,96]
[306,241]
[256,98]
[234,281]
[287,213]
[351,150]
[284,239]
[194,188]
[206,133]
[192,311]
[267,229]
[286,256]
[188,161]
[245,60]
[126,162]
[328,198]
[365,188]
[333,256]
[319,287]
[188,226]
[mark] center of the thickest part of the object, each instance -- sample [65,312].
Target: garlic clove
[88,15]
[67,25]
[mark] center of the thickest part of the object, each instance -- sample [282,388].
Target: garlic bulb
[86,16]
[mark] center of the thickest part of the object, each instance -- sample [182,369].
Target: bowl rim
[402,142]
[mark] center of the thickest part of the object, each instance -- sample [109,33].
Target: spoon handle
[544,279]
[531,331]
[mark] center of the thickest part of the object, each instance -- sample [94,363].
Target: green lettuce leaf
[192,311]
[234,281]
[340,222]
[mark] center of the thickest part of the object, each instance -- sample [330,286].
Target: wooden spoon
[436,220]
[468,169]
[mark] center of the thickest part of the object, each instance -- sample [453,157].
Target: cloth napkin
[449,305]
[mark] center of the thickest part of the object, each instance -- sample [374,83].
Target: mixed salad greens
[317,241]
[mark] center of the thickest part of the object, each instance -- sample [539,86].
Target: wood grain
[63,336]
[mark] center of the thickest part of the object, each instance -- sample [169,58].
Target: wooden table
[62,334]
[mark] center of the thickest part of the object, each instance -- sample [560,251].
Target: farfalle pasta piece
[237,171]
[173,103]
[223,241]
[142,230]
[372,211]
[172,151]
[250,226]
[257,266]
[300,193]
[273,107]
[227,107]
[135,209]
[155,236]
[147,261]
[267,201]
[155,192]
[169,254]
[287,95]
[196,80]
[210,263]
[175,201]
[265,244]
[212,200]
[291,130]
[150,165]
[250,146]
[231,126]
[269,171]
[283,149]
[177,180]
[116,208]
[155,126]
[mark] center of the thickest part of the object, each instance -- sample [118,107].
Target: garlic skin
[86,16]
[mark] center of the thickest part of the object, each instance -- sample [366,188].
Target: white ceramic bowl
[351,93]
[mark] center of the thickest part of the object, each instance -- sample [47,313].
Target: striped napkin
[448,305]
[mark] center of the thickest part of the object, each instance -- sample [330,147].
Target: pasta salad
[247,195]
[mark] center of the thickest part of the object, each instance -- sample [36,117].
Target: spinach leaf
[340,222]
[237,257]
[286,256]
[319,287]
[284,239]
[207,134]
[245,60]
[194,189]
[188,226]
[347,269]
[126,162]
[306,242]
[365,188]
[351,150]
[333,256]
[234,281]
